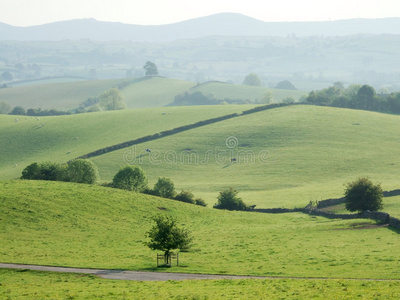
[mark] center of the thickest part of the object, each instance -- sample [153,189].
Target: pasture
[65,224]
[285,157]
[51,138]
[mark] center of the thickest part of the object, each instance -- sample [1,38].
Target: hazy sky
[152,12]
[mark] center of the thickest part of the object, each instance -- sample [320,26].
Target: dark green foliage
[229,200]
[362,195]
[165,235]
[18,110]
[46,112]
[355,96]
[285,85]
[196,98]
[150,68]
[164,187]
[131,178]
[44,171]
[185,196]
[82,171]
[200,202]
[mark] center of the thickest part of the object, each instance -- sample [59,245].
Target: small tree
[18,110]
[131,178]
[150,68]
[112,100]
[82,171]
[165,188]
[229,200]
[7,76]
[5,108]
[166,236]
[285,85]
[362,195]
[252,79]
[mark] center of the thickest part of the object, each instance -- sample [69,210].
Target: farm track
[159,276]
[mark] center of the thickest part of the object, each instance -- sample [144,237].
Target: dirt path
[158,276]
[126,275]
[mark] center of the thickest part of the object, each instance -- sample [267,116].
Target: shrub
[164,187]
[131,178]
[228,200]
[44,171]
[200,202]
[185,196]
[82,171]
[362,195]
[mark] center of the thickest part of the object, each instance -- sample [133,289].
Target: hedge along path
[180,129]
[161,276]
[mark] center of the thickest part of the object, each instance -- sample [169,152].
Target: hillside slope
[65,224]
[284,157]
[65,137]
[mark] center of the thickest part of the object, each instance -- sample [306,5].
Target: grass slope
[66,224]
[61,96]
[154,92]
[285,157]
[236,91]
[26,141]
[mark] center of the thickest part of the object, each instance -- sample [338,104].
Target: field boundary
[180,129]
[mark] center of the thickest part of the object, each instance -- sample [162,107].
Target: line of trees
[356,97]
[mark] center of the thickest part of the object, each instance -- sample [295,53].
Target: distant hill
[224,24]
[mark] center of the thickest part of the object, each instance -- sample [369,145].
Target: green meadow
[285,157]
[65,224]
[63,138]
[40,285]
[61,96]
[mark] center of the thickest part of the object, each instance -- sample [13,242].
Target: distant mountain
[224,24]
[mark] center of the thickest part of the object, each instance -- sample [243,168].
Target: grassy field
[285,157]
[61,96]
[235,91]
[64,224]
[154,92]
[40,285]
[26,141]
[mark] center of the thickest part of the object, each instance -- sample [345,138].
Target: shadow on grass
[394,229]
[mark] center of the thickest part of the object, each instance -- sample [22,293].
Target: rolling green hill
[222,90]
[154,92]
[65,137]
[61,96]
[284,157]
[65,224]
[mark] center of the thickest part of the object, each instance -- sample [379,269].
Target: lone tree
[166,236]
[82,171]
[151,69]
[164,187]
[131,178]
[112,100]
[252,79]
[362,195]
[229,200]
